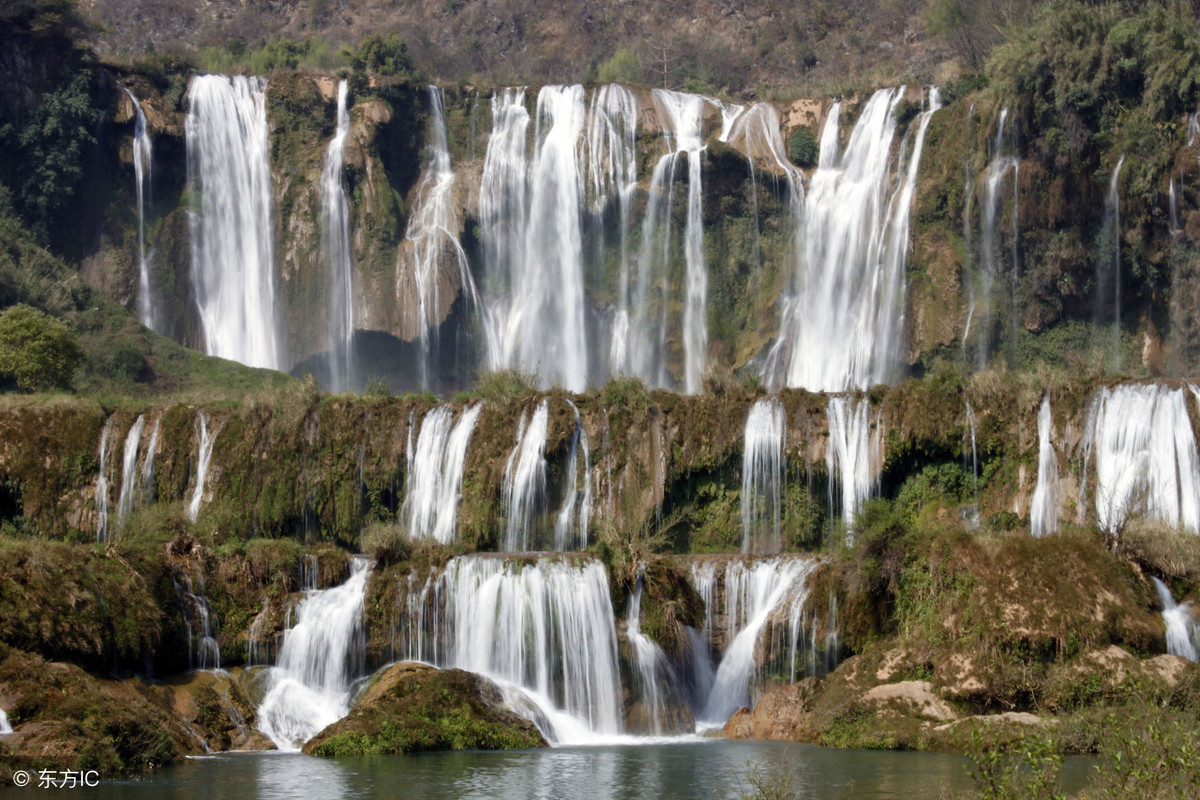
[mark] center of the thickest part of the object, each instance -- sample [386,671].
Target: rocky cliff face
[1004,261]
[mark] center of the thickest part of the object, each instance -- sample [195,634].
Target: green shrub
[802,147]
[39,351]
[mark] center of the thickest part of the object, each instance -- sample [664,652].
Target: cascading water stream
[576,507]
[681,116]
[335,246]
[757,132]
[142,164]
[971,426]
[545,631]
[762,477]
[233,261]
[206,438]
[1043,506]
[525,480]
[854,456]
[435,472]
[5,727]
[502,213]
[841,325]
[651,662]
[319,659]
[612,178]
[129,470]
[433,242]
[752,593]
[993,178]
[203,650]
[102,482]
[543,328]
[1139,437]
[1183,631]
[148,484]
[1108,265]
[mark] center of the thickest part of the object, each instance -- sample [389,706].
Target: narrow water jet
[206,439]
[1043,506]
[612,180]
[335,247]
[573,515]
[1108,266]
[650,660]
[203,650]
[129,470]
[764,440]
[142,165]
[101,493]
[525,480]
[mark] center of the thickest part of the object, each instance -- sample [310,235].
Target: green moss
[424,709]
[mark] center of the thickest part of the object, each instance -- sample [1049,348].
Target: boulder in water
[414,707]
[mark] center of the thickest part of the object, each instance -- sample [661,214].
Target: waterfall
[681,116]
[993,178]
[102,482]
[854,455]
[841,327]
[203,650]
[1183,632]
[525,480]
[148,485]
[612,178]
[1108,264]
[968,246]
[575,508]
[762,477]
[974,464]
[1043,507]
[433,238]
[142,162]
[4,726]
[703,575]
[129,470]
[1173,206]
[502,212]
[233,264]
[310,572]
[650,661]
[435,473]
[757,132]
[318,660]
[1140,438]
[203,459]
[335,246]
[543,327]
[545,627]
[257,651]
[752,594]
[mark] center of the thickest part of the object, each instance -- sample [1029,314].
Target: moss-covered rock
[413,707]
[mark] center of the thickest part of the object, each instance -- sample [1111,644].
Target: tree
[39,351]
[48,148]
